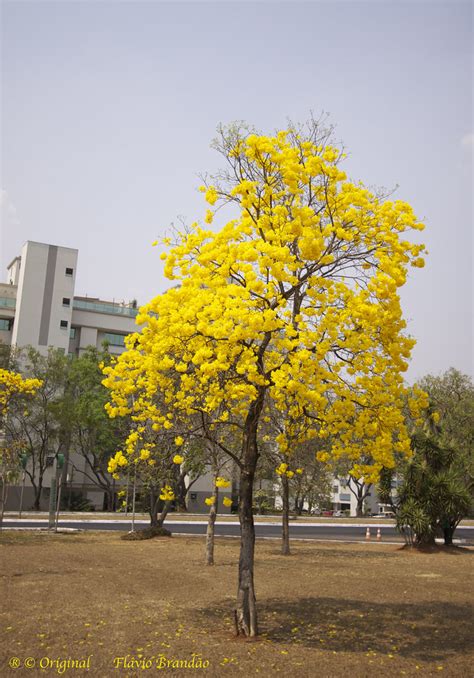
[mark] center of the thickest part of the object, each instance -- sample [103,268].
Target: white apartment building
[38,306]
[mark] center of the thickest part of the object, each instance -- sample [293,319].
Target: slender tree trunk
[360,507]
[246,622]
[111,500]
[210,526]
[448,536]
[3,500]
[246,612]
[164,512]
[37,488]
[36,503]
[155,519]
[181,490]
[285,516]
[153,509]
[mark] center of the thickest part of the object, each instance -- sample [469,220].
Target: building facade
[38,306]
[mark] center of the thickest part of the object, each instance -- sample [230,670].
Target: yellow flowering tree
[151,462]
[12,384]
[294,299]
[43,419]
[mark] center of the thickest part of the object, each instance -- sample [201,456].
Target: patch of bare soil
[132,608]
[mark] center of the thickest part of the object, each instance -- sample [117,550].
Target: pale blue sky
[108,109]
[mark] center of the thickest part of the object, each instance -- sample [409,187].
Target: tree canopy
[294,300]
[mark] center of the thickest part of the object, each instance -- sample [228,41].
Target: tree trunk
[3,500]
[425,539]
[246,612]
[37,489]
[210,527]
[246,622]
[448,536]
[36,503]
[109,499]
[164,512]
[155,519]
[181,491]
[153,511]
[285,516]
[360,507]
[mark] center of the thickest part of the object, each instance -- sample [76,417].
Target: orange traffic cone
[367,534]
[379,535]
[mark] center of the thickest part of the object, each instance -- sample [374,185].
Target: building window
[72,333]
[114,339]
[66,301]
[69,271]
[6,324]
[335,489]
[63,324]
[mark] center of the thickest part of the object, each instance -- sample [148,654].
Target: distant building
[38,306]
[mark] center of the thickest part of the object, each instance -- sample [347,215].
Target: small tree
[433,495]
[148,463]
[93,434]
[359,478]
[218,481]
[12,386]
[451,397]
[40,420]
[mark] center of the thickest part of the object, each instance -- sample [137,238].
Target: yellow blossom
[281,469]
[167,493]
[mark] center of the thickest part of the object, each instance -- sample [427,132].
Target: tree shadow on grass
[423,631]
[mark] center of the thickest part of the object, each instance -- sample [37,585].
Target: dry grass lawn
[332,610]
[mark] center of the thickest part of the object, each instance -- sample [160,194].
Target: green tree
[451,398]
[41,420]
[93,435]
[435,492]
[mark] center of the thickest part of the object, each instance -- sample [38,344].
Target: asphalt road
[331,532]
